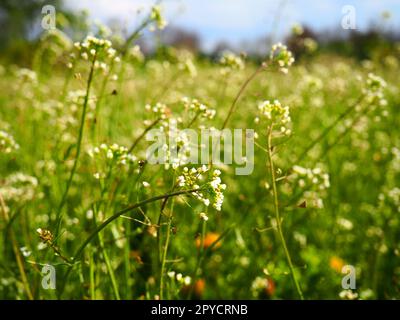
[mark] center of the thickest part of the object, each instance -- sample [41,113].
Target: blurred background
[211,26]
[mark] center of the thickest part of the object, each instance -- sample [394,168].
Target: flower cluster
[45,235]
[175,147]
[64,117]
[179,277]
[375,83]
[136,54]
[211,193]
[188,66]
[348,295]
[315,176]
[276,114]
[159,109]
[184,60]
[230,61]
[191,177]
[391,197]
[313,181]
[373,91]
[157,17]
[281,56]
[297,29]
[76,99]
[99,50]
[262,285]
[7,142]
[27,75]
[19,187]
[216,190]
[312,83]
[395,163]
[259,283]
[198,108]
[310,45]
[110,156]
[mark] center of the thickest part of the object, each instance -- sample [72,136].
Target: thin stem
[58,252]
[66,82]
[164,256]
[166,87]
[91,277]
[17,253]
[277,215]
[96,123]
[328,129]
[135,34]
[329,147]
[163,205]
[104,252]
[193,120]
[235,101]
[200,255]
[115,216]
[78,148]
[109,267]
[239,94]
[275,22]
[137,140]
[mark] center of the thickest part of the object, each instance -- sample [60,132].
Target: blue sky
[238,20]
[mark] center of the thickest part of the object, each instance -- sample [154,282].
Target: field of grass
[78,193]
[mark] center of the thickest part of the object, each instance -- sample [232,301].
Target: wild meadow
[86,213]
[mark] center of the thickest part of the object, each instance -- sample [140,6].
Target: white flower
[19,187]
[156,16]
[106,156]
[198,108]
[146,184]
[7,142]
[110,154]
[203,216]
[348,295]
[281,56]
[276,114]
[230,62]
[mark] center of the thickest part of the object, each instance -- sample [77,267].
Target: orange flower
[336,263]
[270,288]
[199,287]
[209,239]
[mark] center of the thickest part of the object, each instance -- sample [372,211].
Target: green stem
[329,147]
[91,276]
[109,268]
[164,256]
[239,94]
[17,253]
[114,217]
[277,215]
[328,129]
[137,140]
[78,148]
[200,256]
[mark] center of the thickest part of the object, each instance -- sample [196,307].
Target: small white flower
[146,184]
[187,280]
[203,216]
